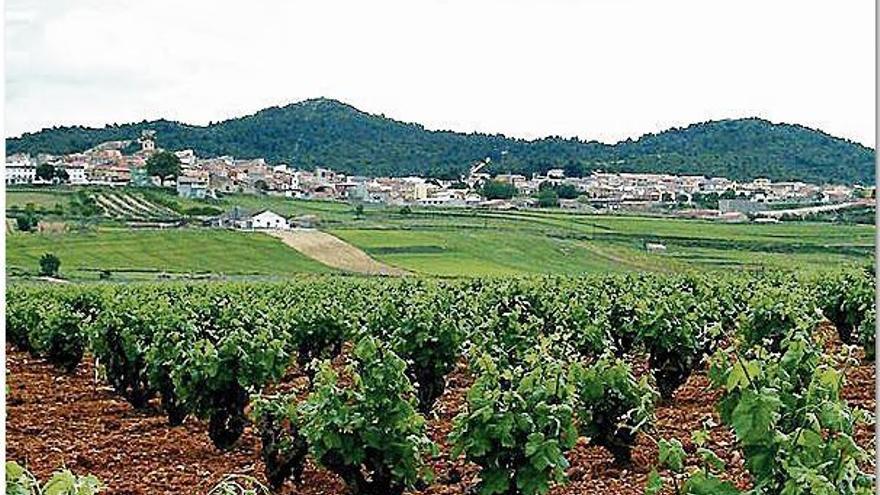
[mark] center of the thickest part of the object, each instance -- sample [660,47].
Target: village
[200,178]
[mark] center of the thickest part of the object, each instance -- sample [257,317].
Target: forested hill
[329,133]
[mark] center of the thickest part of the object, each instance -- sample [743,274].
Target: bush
[49,265]
[364,420]
[425,332]
[27,222]
[58,335]
[548,198]
[613,406]
[774,313]
[785,409]
[203,211]
[232,350]
[284,448]
[120,337]
[847,300]
[517,425]
[22,315]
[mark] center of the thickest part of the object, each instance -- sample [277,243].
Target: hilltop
[331,133]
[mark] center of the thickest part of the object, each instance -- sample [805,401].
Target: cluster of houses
[109,165]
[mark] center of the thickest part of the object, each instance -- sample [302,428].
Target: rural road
[334,252]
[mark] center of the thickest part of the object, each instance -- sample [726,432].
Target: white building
[187,158]
[193,187]
[20,170]
[76,174]
[269,220]
[147,141]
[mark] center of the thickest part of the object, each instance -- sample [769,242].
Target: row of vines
[552,360]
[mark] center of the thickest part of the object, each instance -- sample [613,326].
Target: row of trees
[548,194]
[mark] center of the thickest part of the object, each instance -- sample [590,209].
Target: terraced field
[132,207]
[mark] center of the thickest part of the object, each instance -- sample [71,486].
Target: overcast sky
[597,69]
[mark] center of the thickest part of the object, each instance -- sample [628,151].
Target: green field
[41,200]
[478,252]
[554,242]
[142,253]
[451,242]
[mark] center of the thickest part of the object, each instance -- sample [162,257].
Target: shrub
[49,265]
[59,335]
[284,448]
[613,406]
[362,423]
[517,425]
[785,410]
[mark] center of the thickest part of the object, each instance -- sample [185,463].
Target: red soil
[58,420]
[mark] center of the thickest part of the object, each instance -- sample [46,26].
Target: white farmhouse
[269,220]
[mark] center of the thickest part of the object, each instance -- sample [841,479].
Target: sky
[602,70]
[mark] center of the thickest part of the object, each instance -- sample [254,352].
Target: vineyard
[346,373]
[130,207]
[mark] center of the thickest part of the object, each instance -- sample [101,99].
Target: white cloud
[599,69]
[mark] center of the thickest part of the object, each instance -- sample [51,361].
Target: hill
[330,133]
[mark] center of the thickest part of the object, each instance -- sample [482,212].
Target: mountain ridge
[328,132]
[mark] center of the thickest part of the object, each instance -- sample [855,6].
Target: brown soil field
[56,420]
[333,251]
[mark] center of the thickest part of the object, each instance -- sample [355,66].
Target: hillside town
[124,163]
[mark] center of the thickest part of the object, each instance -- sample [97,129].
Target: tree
[46,172]
[495,189]
[61,175]
[359,211]
[164,165]
[29,220]
[567,191]
[548,198]
[572,169]
[728,194]
[49,265]
[25,223]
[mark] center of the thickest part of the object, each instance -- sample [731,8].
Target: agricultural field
[633,383]
[130,253]
[446,243]
[487,252]
[433,242]
[40,199]
[131,207]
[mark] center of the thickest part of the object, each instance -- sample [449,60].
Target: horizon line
[430,129]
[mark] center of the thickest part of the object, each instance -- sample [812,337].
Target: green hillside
[330,133]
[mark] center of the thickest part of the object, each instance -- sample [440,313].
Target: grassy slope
[476,252]
[522,241]
[46,200]
[187,251]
